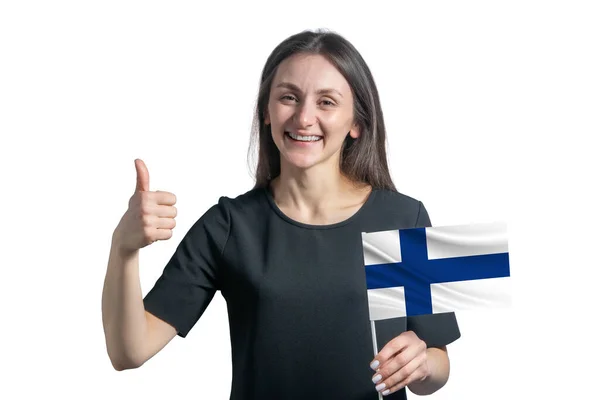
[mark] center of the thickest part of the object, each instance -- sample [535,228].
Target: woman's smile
[302,139]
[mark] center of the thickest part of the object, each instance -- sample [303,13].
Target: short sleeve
[422,217]
[191,277]
[434,329]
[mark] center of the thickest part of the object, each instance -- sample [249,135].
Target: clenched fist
[150,216]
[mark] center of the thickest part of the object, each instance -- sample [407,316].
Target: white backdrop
[491,110]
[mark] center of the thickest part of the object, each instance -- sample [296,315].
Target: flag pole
[373,335]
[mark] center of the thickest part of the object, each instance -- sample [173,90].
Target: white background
[492,110]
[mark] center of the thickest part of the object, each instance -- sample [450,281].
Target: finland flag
[436,270]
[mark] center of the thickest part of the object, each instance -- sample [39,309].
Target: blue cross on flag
[436,269]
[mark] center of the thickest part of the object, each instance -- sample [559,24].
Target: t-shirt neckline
[348,220]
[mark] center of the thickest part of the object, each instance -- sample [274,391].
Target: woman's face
[310,111]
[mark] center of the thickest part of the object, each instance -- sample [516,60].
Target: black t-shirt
[296,295]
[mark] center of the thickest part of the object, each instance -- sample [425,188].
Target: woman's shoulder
[228,209]
[249,198]
[398,208]
[251,202]
[393,198]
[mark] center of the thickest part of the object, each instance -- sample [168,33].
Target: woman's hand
[402,361]
[150,216]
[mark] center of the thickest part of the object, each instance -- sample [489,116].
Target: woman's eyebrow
[289,85]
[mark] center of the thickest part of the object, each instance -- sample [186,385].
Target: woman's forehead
[310,72]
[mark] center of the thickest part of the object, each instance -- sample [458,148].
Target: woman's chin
[302,162]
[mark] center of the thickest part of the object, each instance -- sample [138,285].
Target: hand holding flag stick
[400,363]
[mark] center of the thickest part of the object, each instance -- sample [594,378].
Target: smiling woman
[318,82]
[287,254]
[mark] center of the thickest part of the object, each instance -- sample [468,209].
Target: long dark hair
[361,160]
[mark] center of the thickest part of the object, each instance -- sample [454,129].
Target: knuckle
[144,207]
[397,341]
[401,359]
[384,372]
[391,348]
[167,198]
[405,373]
[148,234]
[390,382]
[389,370]
[383,354]
[147,220]
[399,376]
[146,199]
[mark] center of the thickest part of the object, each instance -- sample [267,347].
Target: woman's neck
[316,197]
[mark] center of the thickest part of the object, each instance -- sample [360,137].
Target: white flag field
[436,269]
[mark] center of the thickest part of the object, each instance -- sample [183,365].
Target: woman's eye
[289,97]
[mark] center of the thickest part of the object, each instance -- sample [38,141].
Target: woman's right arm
[132,334]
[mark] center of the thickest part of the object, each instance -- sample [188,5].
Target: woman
[287,255]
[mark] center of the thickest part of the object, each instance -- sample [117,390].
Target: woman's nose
[306,114]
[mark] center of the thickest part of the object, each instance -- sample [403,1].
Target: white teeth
[304,138]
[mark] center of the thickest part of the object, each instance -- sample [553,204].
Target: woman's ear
[354,132]
[267,119]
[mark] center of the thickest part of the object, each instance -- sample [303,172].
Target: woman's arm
[132,335]
[439,371]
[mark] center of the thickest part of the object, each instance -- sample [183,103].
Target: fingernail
[380,386]
[386,392]
[375,364]
[376,378]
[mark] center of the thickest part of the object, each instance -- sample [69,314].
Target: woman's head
[317,83]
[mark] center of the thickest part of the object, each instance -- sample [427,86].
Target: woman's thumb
[143,178]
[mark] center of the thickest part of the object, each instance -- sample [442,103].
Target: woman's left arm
[405,361]
[439,371]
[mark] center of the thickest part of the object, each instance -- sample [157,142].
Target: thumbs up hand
[150,216]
